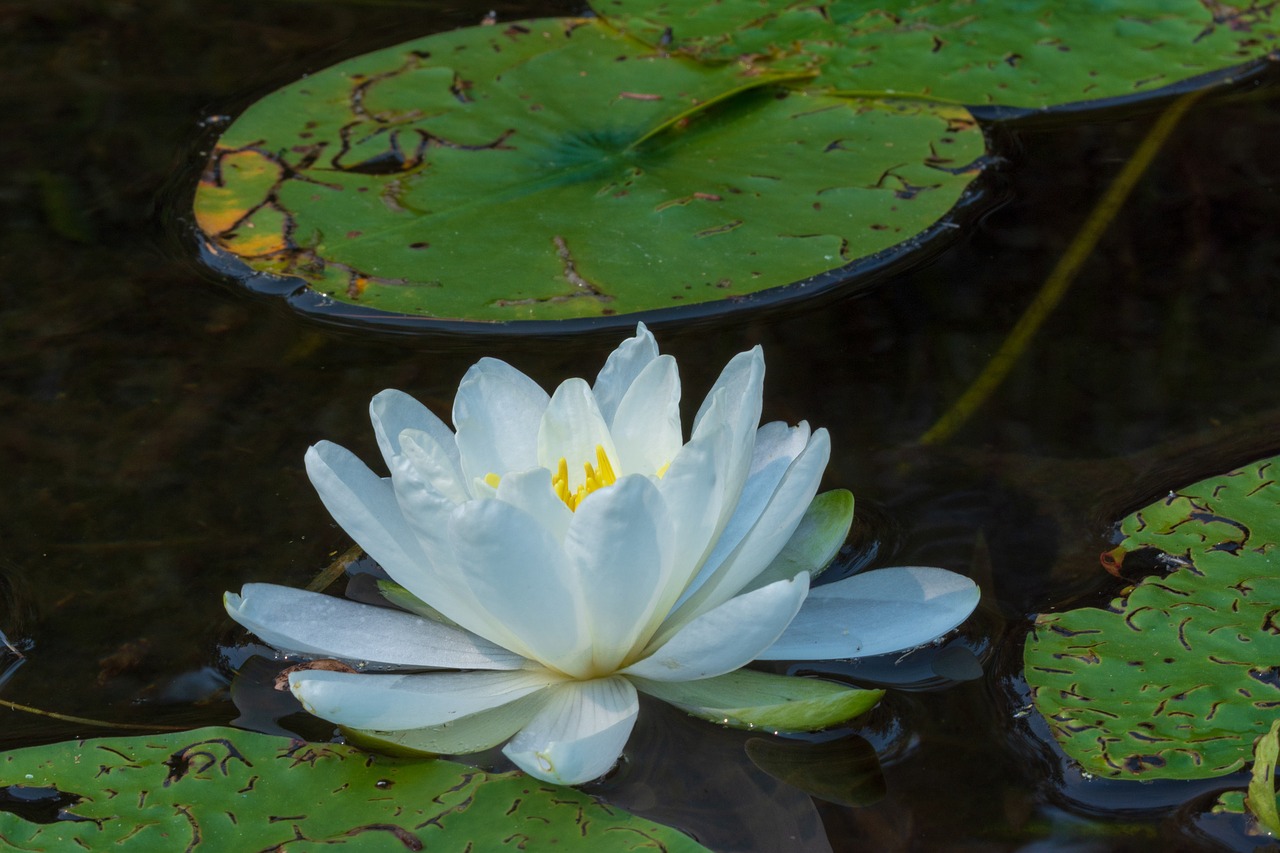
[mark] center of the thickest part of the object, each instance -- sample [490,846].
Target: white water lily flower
[560,553]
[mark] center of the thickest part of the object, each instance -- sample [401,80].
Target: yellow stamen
[663,469]
[593,478]
[492,479]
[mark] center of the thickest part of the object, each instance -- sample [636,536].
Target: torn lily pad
[226,789]
[1181,673]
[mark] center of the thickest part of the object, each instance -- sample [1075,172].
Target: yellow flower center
[596,478]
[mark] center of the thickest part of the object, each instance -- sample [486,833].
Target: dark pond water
[155,420]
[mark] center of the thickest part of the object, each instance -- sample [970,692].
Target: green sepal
[747,699]
[395,594]
[816,541]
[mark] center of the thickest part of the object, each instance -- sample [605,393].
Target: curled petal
[579,733]
[876,612]
[293,620]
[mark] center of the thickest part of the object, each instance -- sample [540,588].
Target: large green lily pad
[220,789]
[1180,674]
[1020,54]
[557,169]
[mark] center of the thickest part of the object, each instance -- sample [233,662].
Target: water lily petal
[621,369]
[727,637]
[876,612]
[368,509]
[531,491]
[694,488]
[293,620]
[519,571]
[496,413]
[736,400]
[742,383]
[694,491]
[435,459]
[571,429]
[425,509]
[580,732]
[746,699]
[390,702]
[365,506]
[777,446]
[472,733]
[392,412]
[815,542]
[619,551]
[646,430]
[766,538]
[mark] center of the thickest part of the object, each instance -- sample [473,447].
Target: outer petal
[765,539]
[571,429]
[389,702]
[621,369]
[365,506]
[726,638]
[580,732]
[518,571]
[876,612]
[293,620]
[619,549]
[646,429]
[496,413]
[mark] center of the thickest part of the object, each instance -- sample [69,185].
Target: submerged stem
[67,718]
[1061,277]
[335,569]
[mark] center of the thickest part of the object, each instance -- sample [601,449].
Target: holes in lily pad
[38,804]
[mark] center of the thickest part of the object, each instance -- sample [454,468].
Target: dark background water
[155,417]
